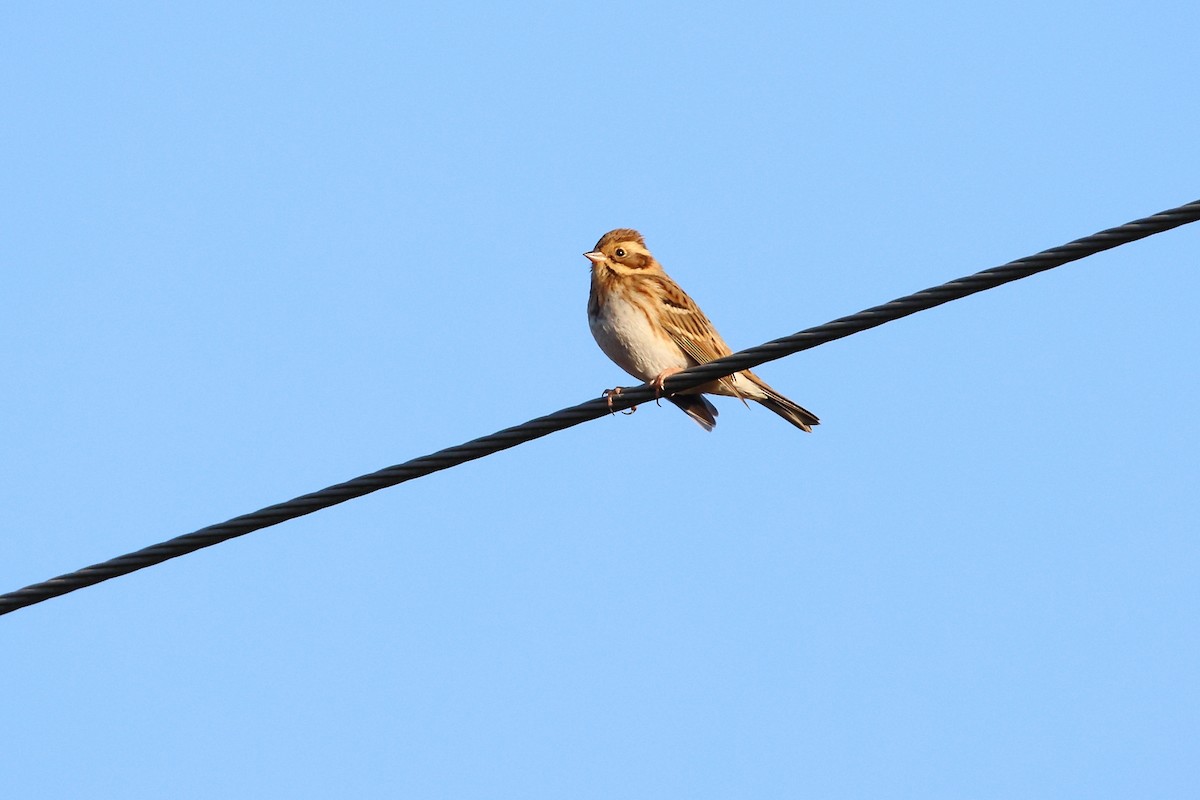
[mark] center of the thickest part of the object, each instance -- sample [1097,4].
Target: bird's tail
[698,408]
[799,416]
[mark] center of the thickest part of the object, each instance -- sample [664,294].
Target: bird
[652,329]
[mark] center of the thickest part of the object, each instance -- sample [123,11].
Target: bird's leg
[609,394]
[657,383]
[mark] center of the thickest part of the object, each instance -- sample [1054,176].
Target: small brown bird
[644,322]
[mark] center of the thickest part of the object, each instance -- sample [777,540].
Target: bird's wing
[690,329]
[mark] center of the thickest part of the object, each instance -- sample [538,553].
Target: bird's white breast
[625,334]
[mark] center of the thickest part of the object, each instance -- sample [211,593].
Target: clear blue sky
[250,251]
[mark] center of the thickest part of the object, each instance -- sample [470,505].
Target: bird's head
[623,251]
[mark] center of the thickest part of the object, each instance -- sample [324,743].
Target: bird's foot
[658,381]
[609,394]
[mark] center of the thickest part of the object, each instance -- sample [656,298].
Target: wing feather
[690,329]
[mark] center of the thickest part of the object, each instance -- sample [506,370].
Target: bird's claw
[609,394]
[658,382]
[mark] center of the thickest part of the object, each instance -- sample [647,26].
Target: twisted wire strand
[593,409]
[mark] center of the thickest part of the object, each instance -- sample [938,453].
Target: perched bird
[644,322]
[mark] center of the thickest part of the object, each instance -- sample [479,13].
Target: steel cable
[593,409]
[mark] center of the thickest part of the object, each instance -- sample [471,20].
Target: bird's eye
[620,252]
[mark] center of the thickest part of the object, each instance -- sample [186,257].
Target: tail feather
[796,414]
[698,408]
[799,416]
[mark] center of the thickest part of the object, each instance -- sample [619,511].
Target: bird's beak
[595,256]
